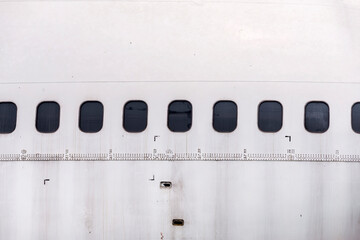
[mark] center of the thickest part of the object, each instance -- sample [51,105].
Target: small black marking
[153,178]
[289,138]
[155,137]
[46,180]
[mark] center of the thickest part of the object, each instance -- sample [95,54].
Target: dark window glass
[270,114]
[355,117]
[8,111]
[135,116]
[317,117]
[91,116]
[47,117]
[179,116]
[225,116]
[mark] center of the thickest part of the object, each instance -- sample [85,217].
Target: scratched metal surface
[217,200]
[242,185]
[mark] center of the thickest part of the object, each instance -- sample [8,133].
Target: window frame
[103,116]
[351,117]
[36,116]
[179,100]
[282,116]
[316,101]
[147,116]
[16,116]
[237,114]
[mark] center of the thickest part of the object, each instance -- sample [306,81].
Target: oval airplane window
[179,116]
[270,116]
[135,116]
[8,112]
[48,117]
[225,116]
[355,117]
[317,117]
[91,116]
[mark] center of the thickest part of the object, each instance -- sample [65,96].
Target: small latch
[178,222]
[165,184]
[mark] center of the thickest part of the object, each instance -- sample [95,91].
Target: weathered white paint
[202,51]
[217,200]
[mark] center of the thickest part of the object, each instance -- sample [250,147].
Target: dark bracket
[46,180]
